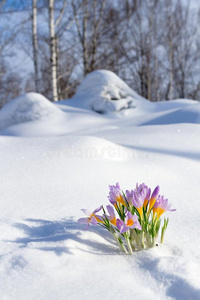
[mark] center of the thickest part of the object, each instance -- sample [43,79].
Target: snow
[188,114]
[55,164]
[29,107]
[104,92]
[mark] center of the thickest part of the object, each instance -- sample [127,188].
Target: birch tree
[53,57]
[57,28]
[35,44]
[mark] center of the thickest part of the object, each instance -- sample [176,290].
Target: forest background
[49,46]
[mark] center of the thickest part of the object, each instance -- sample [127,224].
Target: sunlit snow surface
[101,91]
[53,166]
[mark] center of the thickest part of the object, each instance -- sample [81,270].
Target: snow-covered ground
[58,158]
[100,92]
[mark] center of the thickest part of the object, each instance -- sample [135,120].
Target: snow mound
[29,107]
[173,104]
[104,92]
[188,114]
[90,147]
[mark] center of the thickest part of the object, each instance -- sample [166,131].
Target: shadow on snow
[47,235]
[178,287]
[52,232]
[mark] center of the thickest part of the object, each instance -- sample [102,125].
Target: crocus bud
[155,192]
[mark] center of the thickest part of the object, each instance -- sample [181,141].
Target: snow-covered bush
[104,92]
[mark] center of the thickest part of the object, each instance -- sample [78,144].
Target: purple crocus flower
[153,198]
[131,221]
[129,196]
[138,202]
[161,205]
[144,191]
[92,218]
[111,217]
[115,195]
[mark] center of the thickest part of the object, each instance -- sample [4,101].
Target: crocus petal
[83,220]
[129,215]
[155,192]
[87,212]
[135,222]
[110,210]
[111,217]
[115,194]
[148,193]
[135,218]
[161,205]
[118,186]
[153,198]
[98,218]
[93,221]
[97,209]
[129,196]
[124,228]
[113,202]
[137,225]
[120,224]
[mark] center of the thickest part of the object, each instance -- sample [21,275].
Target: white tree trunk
[157,85]
[84,43]
[53,50]
[171,78]
[35,44]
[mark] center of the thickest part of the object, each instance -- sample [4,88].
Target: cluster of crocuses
[138,221]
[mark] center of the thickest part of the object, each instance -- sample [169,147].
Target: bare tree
[53,50]
[10,79]
[187,53]
[35,44]
[58,29]
[151,44]
[89,27]
[171,35]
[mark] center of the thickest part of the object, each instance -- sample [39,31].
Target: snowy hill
[184,114]
[104,92]
[28,107]
[57,158]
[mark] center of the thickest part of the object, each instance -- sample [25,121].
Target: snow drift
[104,92]
[29,107]
[184,114]
[74,155]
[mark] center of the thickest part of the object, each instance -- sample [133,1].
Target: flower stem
[142,239]
[162,235]
[132,244]
[148,239]
[164,228]
[129,245]
[137,240]
[120,243]
[153,242]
